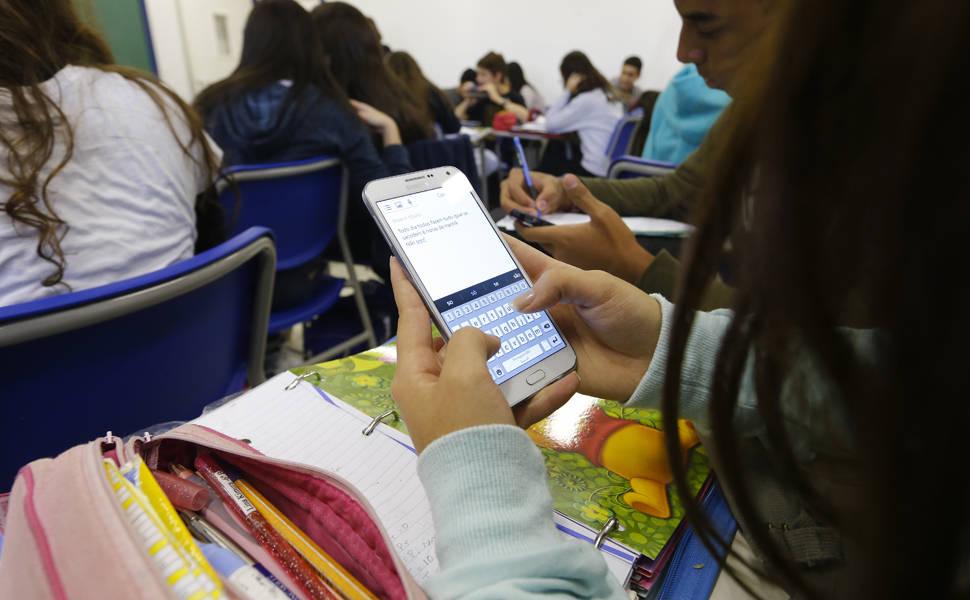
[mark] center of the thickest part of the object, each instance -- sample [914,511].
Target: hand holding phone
[466,275]
[439,396]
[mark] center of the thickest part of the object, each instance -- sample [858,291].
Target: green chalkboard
[122,22]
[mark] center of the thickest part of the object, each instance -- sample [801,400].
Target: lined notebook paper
[300,425]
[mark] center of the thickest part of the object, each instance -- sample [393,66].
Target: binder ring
[291,385]
[379,419]
[601,536]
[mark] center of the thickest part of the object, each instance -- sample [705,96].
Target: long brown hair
[39,39]
[419,88]
[352,46]
[279,42]
[841,188]
[578,62]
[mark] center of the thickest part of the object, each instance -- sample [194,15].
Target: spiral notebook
[307,425]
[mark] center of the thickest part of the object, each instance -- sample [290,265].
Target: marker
[211,535]
[249,582]
[520,153]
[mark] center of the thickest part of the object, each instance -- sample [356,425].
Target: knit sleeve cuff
[488,494]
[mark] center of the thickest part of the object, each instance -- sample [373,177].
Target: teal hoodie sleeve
[493,518]
[683,115]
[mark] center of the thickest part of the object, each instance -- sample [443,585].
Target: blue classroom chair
[304,203]
[128,355]
[622,137]
[631,167]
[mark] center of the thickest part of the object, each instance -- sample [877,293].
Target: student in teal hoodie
[684,113]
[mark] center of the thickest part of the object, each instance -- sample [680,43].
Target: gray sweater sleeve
[698,369]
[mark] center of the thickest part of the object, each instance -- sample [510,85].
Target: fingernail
[570,181]
[523,301]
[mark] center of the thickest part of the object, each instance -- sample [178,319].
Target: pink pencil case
[65,534]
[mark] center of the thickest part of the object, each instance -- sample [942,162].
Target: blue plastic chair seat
[327,295]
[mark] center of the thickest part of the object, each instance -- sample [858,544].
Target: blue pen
[520,152]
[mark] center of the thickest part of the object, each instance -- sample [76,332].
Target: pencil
[345,583]
[303,574]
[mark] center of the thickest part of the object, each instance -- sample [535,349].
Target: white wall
[213,31]
[170,56]
[446,37]
[189,51]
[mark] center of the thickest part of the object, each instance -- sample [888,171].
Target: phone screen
[469,274]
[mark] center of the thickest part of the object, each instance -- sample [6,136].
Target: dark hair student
[279,43]
[577,63]
[433,102]
[353,49]
[282,104]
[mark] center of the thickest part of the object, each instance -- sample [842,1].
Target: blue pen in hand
[520,153]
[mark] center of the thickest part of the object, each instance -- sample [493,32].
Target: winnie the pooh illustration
[631,450]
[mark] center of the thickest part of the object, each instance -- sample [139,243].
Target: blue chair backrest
[124,356]
[632,167]
[299,201]
[622,136]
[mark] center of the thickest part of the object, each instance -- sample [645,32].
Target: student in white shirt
[100,166]
[589,108]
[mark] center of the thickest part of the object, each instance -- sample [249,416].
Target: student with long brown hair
[433,102]
[832,398]
[282,104]
[100,166]
[353,50]
[588,107]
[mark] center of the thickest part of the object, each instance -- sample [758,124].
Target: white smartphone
[466,274]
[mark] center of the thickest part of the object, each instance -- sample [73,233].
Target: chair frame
[615,136]
[98,311]
[638,166]
[262,173]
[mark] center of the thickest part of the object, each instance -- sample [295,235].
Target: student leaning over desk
[833,399]
[589,108]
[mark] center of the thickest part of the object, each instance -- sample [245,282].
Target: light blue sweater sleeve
[812,414]
[698,368]
[493,517]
